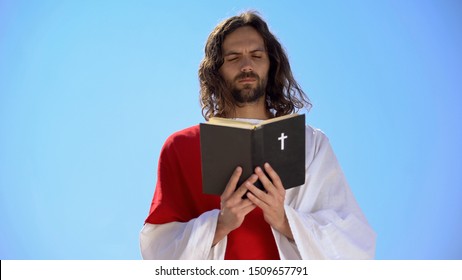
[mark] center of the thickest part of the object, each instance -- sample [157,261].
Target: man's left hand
[272,201]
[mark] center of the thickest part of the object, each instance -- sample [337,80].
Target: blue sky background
[89,90]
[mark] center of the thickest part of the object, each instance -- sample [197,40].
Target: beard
[249,93]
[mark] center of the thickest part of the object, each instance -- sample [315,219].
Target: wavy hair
[283,94]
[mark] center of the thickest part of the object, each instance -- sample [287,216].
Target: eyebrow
[232,52]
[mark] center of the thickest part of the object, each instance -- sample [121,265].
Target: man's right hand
[234,207]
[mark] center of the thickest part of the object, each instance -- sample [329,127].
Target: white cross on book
[282,140]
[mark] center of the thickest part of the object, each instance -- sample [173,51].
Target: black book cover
[280,142]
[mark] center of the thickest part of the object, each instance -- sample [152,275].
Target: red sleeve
[178,195]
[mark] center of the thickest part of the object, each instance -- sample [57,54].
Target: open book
[227,143]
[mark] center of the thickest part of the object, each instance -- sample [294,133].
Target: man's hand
[272,201]
[233,207]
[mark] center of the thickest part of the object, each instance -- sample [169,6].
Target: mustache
[245,75]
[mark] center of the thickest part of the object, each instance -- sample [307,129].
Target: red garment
[178,197]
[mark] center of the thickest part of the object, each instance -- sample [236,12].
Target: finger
[232,183]
[245,203]
[267,184]
[257,192]
[257,201]
[274,176]
[243,188]
[246,210]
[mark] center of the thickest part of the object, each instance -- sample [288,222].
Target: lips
[247,80]
[248,77]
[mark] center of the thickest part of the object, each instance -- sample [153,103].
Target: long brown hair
[283,94]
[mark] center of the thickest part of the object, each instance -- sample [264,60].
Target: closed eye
[232,57]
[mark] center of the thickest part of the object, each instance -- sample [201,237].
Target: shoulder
[317,143]
[315,135]
[185,134]
[185,137]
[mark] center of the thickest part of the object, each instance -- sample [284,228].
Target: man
[246,74]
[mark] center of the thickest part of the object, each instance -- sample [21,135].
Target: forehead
[243,37]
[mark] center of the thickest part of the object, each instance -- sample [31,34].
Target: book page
[244,124]
[277,119]
[231,123]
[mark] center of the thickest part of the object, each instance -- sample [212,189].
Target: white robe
[324,217]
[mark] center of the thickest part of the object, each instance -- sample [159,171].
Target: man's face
[246,64]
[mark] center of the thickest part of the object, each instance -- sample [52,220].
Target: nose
[246,64]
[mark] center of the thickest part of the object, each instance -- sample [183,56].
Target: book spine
[258,151]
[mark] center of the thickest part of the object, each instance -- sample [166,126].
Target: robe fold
[324,217]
